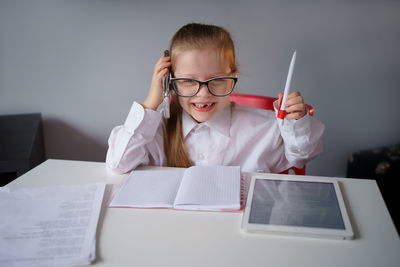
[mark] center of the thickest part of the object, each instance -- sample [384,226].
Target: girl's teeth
[203,105]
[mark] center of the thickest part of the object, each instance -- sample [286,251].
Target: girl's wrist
[149,104]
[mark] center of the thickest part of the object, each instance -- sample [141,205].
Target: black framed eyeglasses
[220,86]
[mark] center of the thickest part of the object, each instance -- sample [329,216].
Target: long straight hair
[189,37]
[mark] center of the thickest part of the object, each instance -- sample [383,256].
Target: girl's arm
[139,141]
[301,134]
[156,94]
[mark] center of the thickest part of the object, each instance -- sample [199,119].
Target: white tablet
[296,205]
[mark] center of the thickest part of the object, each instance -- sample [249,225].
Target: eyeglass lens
[188,87]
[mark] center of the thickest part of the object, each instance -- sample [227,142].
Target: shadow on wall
[62,141]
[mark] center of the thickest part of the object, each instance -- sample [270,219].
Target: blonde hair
[192,36]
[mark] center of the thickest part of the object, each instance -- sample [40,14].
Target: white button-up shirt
[237,135]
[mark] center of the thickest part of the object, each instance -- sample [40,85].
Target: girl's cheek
[185,103]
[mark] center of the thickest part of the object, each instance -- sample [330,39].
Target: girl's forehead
[200,62]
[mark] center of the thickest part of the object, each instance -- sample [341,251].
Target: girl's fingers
[163,62]
[294,94]
[295,107]
[300,107]
[161,73]
[293,99]
[155,95]
[296,111]
[162,66]
[295,116]
[163,59]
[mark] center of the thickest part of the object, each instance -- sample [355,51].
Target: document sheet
[49,226]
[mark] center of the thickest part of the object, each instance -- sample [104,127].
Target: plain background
[81,64]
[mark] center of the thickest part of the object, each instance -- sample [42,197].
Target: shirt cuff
[147,119]
[299,127]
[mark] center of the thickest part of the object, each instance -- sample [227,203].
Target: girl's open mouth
[203,106]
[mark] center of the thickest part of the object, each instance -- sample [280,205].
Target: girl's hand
[294,106]
[156,94]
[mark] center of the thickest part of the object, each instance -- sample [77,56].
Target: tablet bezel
[346,233]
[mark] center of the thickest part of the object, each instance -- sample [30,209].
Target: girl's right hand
[156,93]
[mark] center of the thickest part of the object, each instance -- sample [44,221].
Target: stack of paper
[49,226]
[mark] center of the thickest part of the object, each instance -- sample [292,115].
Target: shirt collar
[220,122]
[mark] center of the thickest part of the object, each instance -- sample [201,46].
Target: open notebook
[194,188]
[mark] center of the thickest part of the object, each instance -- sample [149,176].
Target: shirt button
[201,156]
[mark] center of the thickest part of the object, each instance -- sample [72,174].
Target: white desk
[159,237]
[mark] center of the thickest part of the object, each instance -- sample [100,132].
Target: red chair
[266,102]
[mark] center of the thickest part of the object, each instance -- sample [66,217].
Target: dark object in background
[383,165]
[21,145]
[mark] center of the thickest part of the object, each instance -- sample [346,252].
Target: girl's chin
[202,116]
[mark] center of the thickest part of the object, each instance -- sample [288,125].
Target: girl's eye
[221,81]
[188,82]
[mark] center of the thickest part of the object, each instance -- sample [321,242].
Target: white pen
[281,110]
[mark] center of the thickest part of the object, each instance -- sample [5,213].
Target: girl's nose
[203,91]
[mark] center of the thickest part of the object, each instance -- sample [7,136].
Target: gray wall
[82,63]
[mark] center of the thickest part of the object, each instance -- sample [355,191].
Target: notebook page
[210,188]
[149,189]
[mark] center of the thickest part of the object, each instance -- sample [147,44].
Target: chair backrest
[266,102]
[258,101]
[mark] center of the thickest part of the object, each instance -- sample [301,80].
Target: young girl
[204,127]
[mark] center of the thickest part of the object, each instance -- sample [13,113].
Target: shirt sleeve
[139,141]
[302,140]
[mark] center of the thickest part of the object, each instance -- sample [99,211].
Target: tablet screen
[295,203]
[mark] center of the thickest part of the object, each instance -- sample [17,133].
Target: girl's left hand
[294,106]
